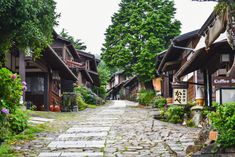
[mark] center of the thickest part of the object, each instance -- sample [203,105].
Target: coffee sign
[223,81]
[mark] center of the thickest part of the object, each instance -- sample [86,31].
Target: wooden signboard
[223,81]
[180,96]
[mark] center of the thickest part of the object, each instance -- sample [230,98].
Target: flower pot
[57,108]
[169,101]
[213,135]
[51,107]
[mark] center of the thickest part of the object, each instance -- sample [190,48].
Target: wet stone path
[120,129]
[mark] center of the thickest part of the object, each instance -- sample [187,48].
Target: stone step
[87,136]
[35,122]
[41,119]
[102,118]
[77,144]
[87,129]
[71,154]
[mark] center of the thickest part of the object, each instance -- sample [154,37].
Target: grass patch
[91,106]
[26,135]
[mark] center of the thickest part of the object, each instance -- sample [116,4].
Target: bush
[80,102]
[86,94]
[18,121]
[12,118]
[159,102]
[223,120]
[10,90]
[175,114]
[145,97]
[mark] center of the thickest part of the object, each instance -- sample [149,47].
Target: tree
[104,74]
[26,24]
[139,31]
[76,42]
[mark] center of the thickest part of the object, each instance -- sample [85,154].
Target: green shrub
[12,118]
[18,121]
[223,120]
[159,102]
[80,102]
[175,114]
[86,94]
[145,96]
[11,89]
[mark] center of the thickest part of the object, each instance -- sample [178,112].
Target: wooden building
[58,69]
[87,72]
[123,87]
[202,59]
[115,85]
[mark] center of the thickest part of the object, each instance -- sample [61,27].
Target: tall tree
[76,42]
[104,75]
[26,24]
[139,31]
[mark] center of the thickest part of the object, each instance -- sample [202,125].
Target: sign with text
[180,96]
[223,81]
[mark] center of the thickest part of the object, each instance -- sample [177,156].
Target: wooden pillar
[22,68]
[207,87]
[46,92]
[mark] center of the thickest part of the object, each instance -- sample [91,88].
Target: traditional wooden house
[44,77]
[215,58]
[87,72]
[115,85]
[193,65]
[121,86]
[131,88]
[171,60]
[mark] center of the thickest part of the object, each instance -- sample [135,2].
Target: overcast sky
[88,19]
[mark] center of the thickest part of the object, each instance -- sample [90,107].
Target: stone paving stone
[36,122]
[50,154]
[76,144]
[103,118]
[90,134]
[41,119]
[88,129]
[117,130]
[83,154]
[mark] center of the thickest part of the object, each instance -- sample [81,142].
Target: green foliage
[86,94]
[223,120]
[145,96]
[10,93]
[5,150]
[28,134]
[139,31]
[159,102]
[26,24]
[175,114]
[190,123]
[18,121]
[10,90]
[80,102]
[76,43]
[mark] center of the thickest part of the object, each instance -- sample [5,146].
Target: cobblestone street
[118,129]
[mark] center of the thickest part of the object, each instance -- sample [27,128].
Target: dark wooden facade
[199,66]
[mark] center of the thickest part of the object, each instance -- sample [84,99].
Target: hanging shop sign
[180,96]
[223,81]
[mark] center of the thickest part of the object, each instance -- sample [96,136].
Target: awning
[203,59]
